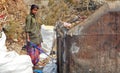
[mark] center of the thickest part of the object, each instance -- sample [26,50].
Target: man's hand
[28,40]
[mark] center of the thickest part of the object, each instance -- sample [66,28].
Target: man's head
[34,9]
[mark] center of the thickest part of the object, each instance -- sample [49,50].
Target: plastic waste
[50,68]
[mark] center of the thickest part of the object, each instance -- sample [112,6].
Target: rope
[35,46]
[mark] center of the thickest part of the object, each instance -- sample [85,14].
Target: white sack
[11,62]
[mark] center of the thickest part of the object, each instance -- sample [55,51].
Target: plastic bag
[50,68]
[11,62]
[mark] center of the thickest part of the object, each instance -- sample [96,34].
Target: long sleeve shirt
[33,29]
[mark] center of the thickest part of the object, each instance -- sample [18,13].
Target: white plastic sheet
[48,36]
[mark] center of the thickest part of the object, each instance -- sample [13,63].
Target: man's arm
[27,28]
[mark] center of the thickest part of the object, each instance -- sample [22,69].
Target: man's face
[34,11]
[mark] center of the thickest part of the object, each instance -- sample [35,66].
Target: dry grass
[55,11]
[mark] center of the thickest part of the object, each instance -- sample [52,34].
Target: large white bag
[11,62]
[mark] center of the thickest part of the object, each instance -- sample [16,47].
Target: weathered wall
[96,49]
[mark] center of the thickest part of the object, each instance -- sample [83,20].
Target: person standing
[33,34]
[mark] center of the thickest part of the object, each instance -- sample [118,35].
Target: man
[33,34]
